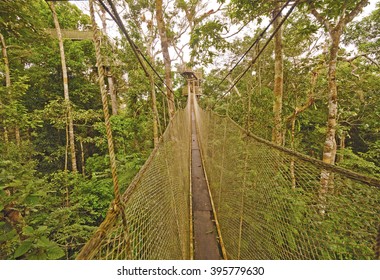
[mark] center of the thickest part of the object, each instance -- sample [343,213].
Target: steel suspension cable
[255,42]
[136,50]
[259,53]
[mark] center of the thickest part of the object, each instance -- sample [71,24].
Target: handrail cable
[136,50]
[259,53]
[255,42]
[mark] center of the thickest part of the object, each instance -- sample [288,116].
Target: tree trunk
[330,147]
[278,80]
[8,86]
[155,111]
[6,138]
[335,30]
[166,56]
[6,62]
[103,18]
[111,89]
[65,88]
[67,145]
[82,157]
[7,77]
[18,137]
[342,146]
[156,119]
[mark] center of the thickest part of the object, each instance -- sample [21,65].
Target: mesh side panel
[156,205]
[272,205]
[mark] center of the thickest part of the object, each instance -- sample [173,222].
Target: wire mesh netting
[156,205]
[273,204]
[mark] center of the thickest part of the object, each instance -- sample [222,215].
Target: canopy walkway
[266,202]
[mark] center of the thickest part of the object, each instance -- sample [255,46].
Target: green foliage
[373,153]
[22,191]
[206,40]
[357,163]
[37,246]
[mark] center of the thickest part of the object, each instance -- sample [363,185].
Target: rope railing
[156,205]
[269,201]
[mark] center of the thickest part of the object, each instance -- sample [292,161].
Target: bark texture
[8,87]
[278,79]
[335,31]
[165,53]
[7,77]
[112,93]
[65,88]
[155,111]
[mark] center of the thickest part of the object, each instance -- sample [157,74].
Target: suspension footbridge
[211,190]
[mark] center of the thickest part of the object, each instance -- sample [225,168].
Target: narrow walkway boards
[206,246]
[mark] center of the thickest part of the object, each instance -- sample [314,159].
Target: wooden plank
[75,35]
[206,246]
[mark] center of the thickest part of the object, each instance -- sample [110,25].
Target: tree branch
[321,19]
[310,101]
[359,7]
[240,29]
[365,55]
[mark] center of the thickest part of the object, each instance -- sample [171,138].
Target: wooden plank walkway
[206,246]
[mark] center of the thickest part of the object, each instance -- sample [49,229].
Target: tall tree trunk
[278,79]
[8,85]
[330,147]
[166,56]
[342,146]
[111,88]
[7,77]
[103,18]
[112,92]
[82,157]
[156,119]
[335,30]
[155,111]
[292,145]
[6,138]
[65,88]
[67,145]
[6,62]
[18,136]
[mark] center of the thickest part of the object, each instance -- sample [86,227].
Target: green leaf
[8,236]
[23,248]
[32,200]
[40,256]
[42,229]
[55,252]
[44,242]
[28,230]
